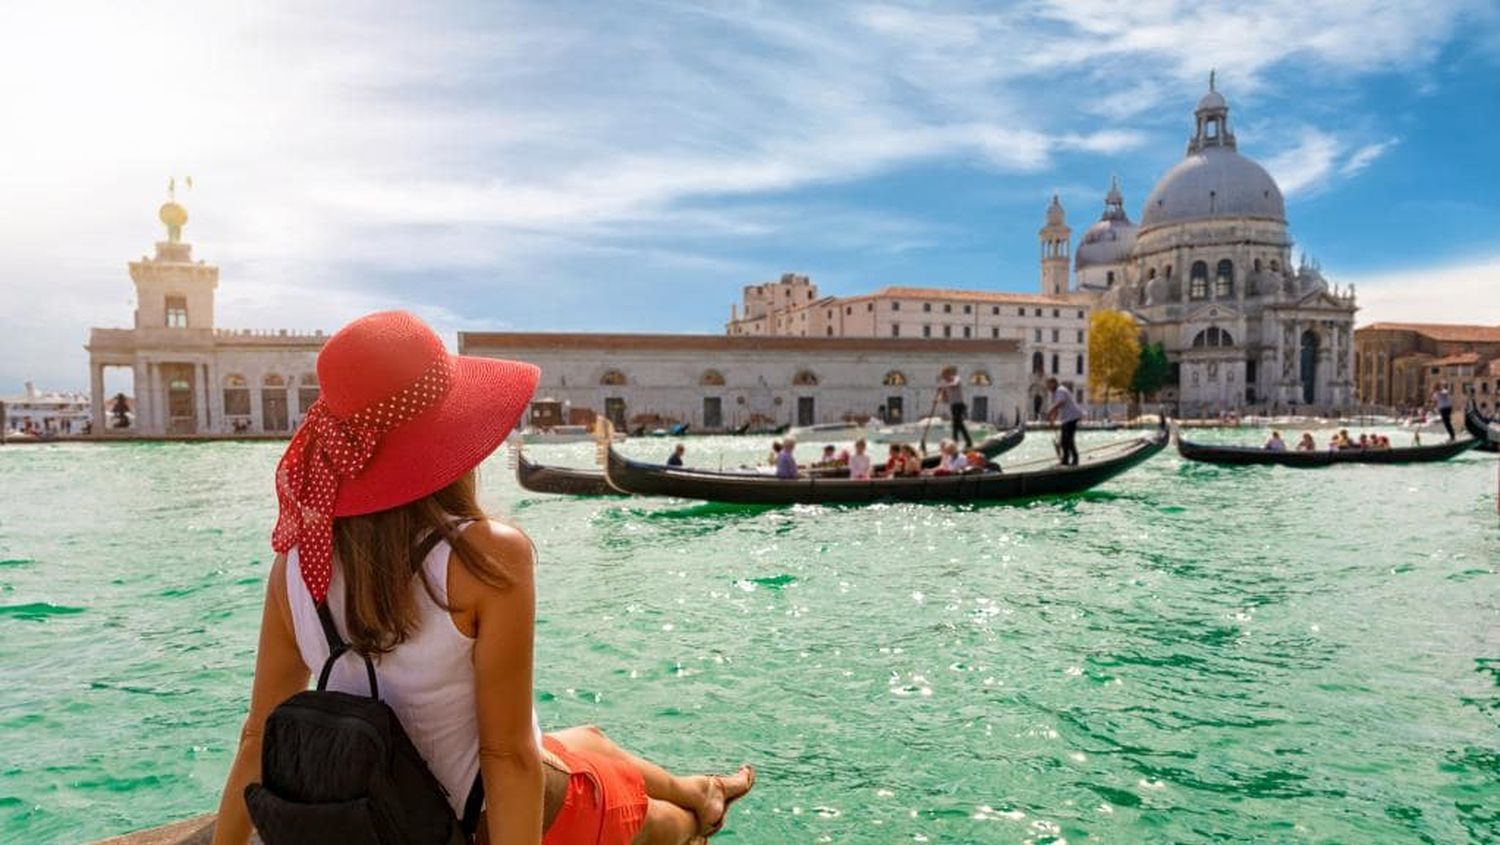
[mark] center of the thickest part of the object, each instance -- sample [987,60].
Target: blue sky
[630,165]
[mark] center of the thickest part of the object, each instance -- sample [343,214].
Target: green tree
[1151,372]
[1114,352]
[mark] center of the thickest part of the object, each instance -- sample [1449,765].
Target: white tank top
[428,680]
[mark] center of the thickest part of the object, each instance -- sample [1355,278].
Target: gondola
[539,478]
[1256,455]
[1479,425]
[753,489]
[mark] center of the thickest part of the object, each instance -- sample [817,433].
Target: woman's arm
[504,620]
[279,674]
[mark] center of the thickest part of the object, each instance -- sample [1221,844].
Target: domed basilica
[1208,274]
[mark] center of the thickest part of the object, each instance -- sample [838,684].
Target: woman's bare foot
[720,792]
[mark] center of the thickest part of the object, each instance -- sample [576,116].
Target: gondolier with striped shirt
[1066,411]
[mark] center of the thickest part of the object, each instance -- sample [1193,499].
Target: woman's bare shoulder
[505,546]
[508,543]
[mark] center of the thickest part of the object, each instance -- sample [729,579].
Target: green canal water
[1186,654]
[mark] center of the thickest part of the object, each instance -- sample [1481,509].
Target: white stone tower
[171,290]
[1057,250]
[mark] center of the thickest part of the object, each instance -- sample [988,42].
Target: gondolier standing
[1443,400]
[1067,412]
[951,390]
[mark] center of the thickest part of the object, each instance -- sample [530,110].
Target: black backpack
[338,768]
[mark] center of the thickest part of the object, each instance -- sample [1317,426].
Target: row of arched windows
[802,378]
[273,388]
[1221,283]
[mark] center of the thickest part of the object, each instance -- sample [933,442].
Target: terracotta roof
[469,341]
[1453,332]
[1456,360]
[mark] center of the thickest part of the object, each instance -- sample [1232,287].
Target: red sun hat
[398,419]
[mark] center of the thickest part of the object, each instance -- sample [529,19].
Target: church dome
[1109,240]
[1214,180]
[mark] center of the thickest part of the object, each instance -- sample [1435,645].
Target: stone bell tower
[171,290]
[1057,250]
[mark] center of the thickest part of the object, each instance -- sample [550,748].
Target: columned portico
[181,360]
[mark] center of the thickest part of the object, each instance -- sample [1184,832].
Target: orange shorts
[606,800]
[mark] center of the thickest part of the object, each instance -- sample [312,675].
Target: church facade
[1208,273]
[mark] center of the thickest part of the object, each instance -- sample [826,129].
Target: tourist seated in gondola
[975,461]
[1364,441]
[1276,444]
[775,452]
[675,459]
[859,462]
[893,460]
[1307,443]
[950,462]
[786,461]
[912,463]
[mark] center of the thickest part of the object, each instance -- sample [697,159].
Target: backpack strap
[336,649]
[473,806]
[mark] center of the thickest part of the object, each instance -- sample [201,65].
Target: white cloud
[1365,156]
[338,149]
[1308,164]
[1460,291]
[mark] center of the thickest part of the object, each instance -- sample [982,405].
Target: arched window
[1078,365]
[805,378]
[1198,281]
[980,378]
[1037,365]
[236,396]
[711,378]
[1212,337]
[307,392]
[1054,363]
[894,378]
[1151,274]
[1224,280]
[273,403]
[1257,265]
[613,378]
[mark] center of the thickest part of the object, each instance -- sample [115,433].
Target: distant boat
[755,489]
[1257,455]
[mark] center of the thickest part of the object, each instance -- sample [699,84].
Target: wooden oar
[937,393]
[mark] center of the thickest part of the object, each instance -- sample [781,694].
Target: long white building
[719,382]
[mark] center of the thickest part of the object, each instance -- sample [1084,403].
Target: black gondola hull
[1478,425]
[565,481]
[1256,456]
[561,480]
[751,489]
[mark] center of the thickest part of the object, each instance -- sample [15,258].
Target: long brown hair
[379,553]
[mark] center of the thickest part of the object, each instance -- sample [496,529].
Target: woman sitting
[1307,443]
[382,540]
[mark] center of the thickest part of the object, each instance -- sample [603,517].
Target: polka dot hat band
[327,450]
